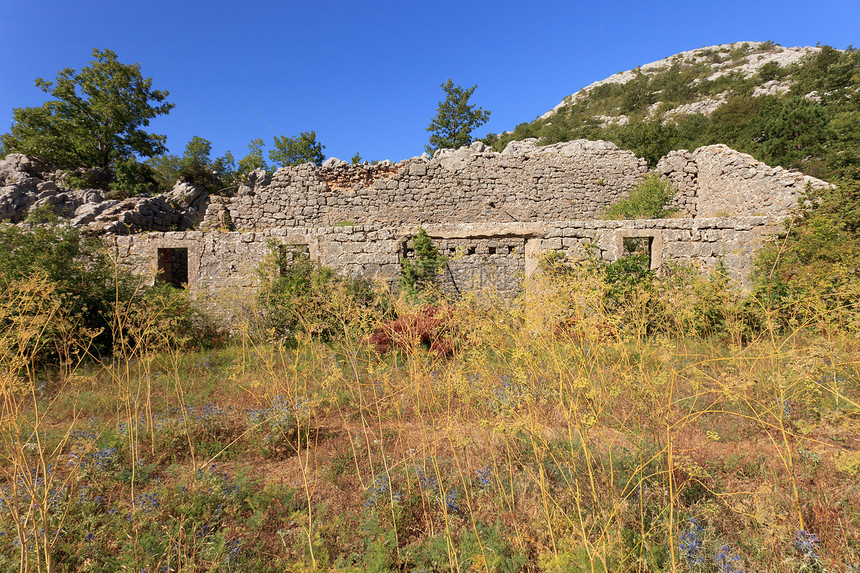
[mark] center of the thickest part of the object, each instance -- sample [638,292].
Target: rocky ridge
[720,61]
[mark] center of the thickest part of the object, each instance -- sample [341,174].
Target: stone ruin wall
[723,182]
[492,214]
[482,257]
[575,180]
[524,183]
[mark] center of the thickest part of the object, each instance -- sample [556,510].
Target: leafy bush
[132,178]
[195,167]
[420,273]
[84,278]
[648,200]
[810,272]
[299,296]
[99,297]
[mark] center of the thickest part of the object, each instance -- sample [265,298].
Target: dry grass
[557,438]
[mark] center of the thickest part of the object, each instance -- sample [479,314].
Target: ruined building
[493,214]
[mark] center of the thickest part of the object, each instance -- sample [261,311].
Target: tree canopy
[455,118]
[297,150]
[195,166]
[96,118]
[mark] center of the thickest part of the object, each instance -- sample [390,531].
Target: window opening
[288,254]
[173,267]
[638,246]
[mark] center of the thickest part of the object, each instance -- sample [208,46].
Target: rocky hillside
[28,191]
[795,107]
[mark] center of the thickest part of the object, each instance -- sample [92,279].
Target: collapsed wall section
[717,181]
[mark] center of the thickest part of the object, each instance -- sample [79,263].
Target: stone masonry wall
[576,180]
[717,181]
[492,214]
[482,257]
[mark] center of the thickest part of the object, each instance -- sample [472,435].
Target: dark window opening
[638,246]
[471,250]
[491,250]
[173,267]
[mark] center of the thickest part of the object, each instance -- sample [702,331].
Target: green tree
[455,118]
[254,159]
[96,118]
[195,166]
[799,131]
[297,150]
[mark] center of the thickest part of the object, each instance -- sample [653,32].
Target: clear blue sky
[365,75]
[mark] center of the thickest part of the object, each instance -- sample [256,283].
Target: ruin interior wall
[575,180]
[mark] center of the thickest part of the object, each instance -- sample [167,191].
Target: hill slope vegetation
[794,107]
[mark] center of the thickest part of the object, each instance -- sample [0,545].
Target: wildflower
[451,501]
[724,559]
[807,543]
[426,483]
[690,543]
[379,487]
[484,476]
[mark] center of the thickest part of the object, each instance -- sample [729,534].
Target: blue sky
[365,75]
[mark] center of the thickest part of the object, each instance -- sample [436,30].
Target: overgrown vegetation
[299,297]
[811,274]
[609,418]
[648,200]
[91,292]
[560,435]
[420,271]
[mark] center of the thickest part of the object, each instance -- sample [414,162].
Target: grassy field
[558,436]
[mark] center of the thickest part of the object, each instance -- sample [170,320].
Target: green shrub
[810,271]
[300,296]
[84,278]
[99,298]
[132,178]
[420,274]
[648,200]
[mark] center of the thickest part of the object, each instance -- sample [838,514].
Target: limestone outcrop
[26,185]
